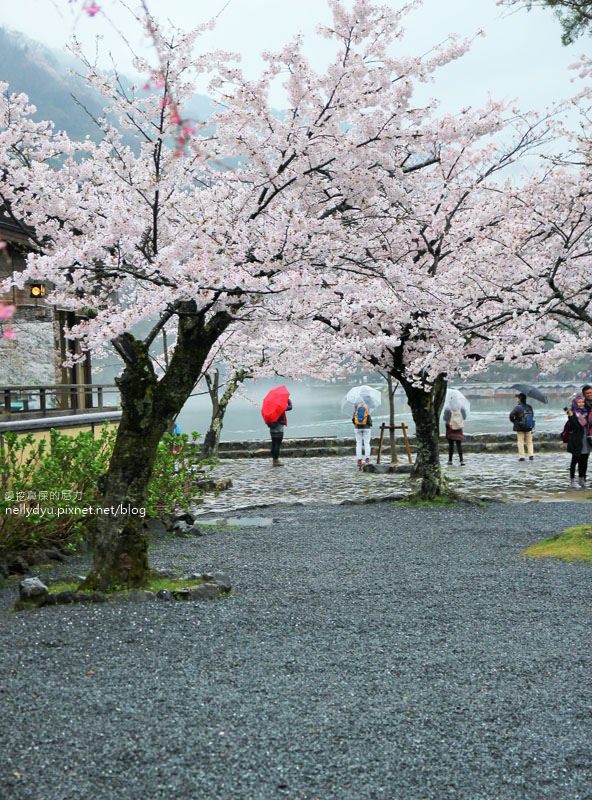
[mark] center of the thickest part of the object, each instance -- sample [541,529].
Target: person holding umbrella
[359,402]
[456,408]
[362,431]
[275,404]
[522,418]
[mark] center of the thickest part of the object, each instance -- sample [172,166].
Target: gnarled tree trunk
[149,405]
[426,407]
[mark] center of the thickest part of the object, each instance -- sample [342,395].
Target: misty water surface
[317,412]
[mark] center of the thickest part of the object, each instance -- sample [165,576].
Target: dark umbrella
[275,404]
[530,391]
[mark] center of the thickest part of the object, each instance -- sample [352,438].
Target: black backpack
[525,420]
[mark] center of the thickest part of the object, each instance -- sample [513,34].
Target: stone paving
[256,484]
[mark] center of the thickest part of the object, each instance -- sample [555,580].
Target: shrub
[42,480]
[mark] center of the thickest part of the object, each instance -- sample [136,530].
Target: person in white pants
[362,431]
[363,436]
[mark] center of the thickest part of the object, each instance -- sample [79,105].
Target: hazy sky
[521,57]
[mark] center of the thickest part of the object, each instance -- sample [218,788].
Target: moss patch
[171,584]
[155,584]
[574,544]
[414,501]
[64,586]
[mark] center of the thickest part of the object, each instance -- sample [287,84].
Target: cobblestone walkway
[337,480]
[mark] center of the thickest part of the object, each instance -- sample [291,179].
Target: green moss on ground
[414,501]
[574,544]
[155,584]
[171,584]
[64,586]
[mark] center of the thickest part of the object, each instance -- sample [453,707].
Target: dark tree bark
[149,405]
[426,407]
[391,395]
[219,406]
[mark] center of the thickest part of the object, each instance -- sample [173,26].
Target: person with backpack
[578,443]
[522,417]
[276,429]
[362,431]
[454,417]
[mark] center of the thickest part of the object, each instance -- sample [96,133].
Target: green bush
[42,480]
[172,476]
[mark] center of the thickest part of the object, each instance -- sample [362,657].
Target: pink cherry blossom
[92,9]
[6,312]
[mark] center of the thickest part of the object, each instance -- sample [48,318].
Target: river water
[317,413]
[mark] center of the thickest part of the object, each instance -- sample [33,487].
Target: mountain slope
[44,75]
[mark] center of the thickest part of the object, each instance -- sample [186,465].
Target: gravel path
[369,652]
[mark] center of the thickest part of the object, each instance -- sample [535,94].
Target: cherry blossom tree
[550,298]
[423,291]
[552,293]
[148,232]
[126,235]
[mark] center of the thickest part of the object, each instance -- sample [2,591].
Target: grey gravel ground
[368,652]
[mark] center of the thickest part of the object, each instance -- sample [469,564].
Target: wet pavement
[303,481]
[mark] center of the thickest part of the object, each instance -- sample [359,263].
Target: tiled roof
[10,232]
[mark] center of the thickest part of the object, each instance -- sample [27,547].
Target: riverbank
[368,652]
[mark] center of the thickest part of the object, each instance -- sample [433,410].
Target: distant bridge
[503,389]
[492,388]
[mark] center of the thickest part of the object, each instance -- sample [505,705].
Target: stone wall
[29,358]
[335,446]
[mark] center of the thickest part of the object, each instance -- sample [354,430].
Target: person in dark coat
[578,443]
[519,417]
[455,417]
[587,395]
[276,430]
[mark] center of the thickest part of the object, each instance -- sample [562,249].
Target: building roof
[11,231]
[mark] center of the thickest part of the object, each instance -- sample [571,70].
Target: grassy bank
[574,544]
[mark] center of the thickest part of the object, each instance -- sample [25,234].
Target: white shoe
[574,484]
[582,482]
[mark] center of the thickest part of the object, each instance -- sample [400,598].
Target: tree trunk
[120,546]
[212,437]
[219,406]
[391,393]
[426,407]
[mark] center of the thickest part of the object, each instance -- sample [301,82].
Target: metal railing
[56,399]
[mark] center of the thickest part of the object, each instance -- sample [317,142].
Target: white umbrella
[361,394]
[455,400]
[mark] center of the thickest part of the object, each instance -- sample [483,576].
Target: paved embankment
[341,446]
[337,480]
[368,652]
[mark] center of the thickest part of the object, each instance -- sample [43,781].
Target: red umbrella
[274,404]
